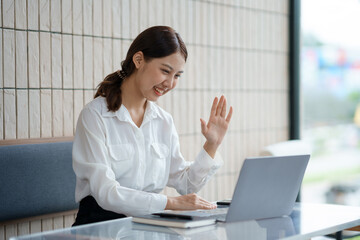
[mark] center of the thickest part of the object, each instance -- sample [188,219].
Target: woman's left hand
[215,130]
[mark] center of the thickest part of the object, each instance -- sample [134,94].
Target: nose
[169,82]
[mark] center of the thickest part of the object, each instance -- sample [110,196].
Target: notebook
[267,187]
[176,222]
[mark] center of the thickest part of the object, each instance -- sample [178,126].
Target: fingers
[218,108]
[203,126]
[228,118]
[205,205]
[220,105]
[188,202]
[200,203]
[223,109]
[213,108]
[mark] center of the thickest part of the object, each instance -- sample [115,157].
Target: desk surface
[306,221]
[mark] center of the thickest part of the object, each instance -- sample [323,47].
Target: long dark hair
[154,42]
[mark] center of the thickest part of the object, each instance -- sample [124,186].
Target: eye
[177,76]
[165,71]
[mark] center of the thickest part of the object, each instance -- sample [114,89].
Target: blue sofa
[36,179]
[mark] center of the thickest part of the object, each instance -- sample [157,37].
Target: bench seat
[36,179]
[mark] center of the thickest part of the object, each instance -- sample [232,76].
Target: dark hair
[154,42]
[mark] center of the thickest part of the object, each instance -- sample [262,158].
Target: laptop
[267,187]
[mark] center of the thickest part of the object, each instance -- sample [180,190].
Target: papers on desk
[173,222]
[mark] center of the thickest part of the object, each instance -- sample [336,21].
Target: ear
[138,59]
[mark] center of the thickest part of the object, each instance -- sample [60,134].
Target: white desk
[306,221]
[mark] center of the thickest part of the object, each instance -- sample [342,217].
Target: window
[330,100]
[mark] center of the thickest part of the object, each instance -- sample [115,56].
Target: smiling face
[157,76]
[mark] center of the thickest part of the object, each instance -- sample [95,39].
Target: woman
[126,148]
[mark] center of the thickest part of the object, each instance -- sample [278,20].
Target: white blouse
[124,167]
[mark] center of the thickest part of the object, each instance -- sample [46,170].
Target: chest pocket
[159,153]
[121,159]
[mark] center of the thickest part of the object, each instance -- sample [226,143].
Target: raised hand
[215,130]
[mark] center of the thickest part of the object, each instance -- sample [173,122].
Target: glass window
[330,100]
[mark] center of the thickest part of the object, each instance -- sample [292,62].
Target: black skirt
[91,212]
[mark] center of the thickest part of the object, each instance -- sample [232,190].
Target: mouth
[159,91]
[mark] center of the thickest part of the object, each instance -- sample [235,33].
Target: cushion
[36,179]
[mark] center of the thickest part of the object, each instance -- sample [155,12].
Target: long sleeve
[189,177]
[96,177]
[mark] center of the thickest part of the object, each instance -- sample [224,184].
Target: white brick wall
[10,114]
[77,17]
[143,13]
[116,18]
[78,62]
[22,114]
[34,59]
[97,18]
[88,63]
[56,61]
[34,113]
[116,56]
[45,113]
[134,18]
[20,9]
[107,18]
[98,61]
[21,59]
[1,22]
[87,16]
[107,56]
[44,8]
[68,112]
[1,65]
[57,109]
[239,49]
[9,57]
[67,61]
[8,13]
[66,16]
[2,111]
[125,18]
[78,105]
[55,13]
[33,15]
[45,60]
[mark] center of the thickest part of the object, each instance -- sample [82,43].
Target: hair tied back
[121,73]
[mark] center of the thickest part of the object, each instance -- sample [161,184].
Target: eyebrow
[171,68]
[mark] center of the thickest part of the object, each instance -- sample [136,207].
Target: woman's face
[158,76]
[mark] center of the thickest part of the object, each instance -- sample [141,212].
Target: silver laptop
[267,187]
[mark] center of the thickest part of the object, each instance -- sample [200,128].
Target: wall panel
[9,57]
[22,114]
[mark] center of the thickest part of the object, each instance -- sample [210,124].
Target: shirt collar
[151,112]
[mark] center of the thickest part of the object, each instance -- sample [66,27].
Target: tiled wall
[54,53]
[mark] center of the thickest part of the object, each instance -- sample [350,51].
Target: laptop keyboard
[218,213]
[215,213]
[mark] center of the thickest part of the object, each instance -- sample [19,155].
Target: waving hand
[215,130]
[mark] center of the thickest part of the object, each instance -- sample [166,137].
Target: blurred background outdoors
[330,100]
